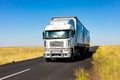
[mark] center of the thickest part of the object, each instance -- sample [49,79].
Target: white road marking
[15,74]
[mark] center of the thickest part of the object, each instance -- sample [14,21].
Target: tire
[71,59]
[82,51]
[48,59]
[87,50]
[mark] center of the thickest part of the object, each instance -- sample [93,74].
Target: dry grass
[107,61]
[106,64]
[9,55]
[81,74]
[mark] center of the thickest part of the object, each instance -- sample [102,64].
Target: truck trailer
[65,37]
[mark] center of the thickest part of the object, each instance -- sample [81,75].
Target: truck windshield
[57,34]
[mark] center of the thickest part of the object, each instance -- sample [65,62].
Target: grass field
[10,55]
[106,65]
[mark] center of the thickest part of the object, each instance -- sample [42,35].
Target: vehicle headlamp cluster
[66,50]
[47,50]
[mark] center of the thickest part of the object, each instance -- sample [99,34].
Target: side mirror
[43,35]
[73,33]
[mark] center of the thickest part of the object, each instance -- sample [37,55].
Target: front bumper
[57,55]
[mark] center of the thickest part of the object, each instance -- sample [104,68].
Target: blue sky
[23,21]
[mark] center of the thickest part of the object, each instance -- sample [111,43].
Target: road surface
[39,69]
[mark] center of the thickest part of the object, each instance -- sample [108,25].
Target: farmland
[10,55]
[106,65]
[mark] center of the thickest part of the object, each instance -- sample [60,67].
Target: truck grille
[56,50]
[56,44]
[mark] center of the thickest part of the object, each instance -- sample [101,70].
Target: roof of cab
[58,27]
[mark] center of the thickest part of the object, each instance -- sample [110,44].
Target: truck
[65,37]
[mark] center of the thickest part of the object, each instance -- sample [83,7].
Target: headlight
[66,50]
[47,50]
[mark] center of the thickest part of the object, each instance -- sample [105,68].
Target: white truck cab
[60,38]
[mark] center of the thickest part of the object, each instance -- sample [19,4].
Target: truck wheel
[87,50]
[83,51]
[48,59]
[72,56]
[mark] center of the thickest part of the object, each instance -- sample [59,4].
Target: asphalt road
[39,69]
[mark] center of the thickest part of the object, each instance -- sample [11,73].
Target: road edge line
[14,74]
